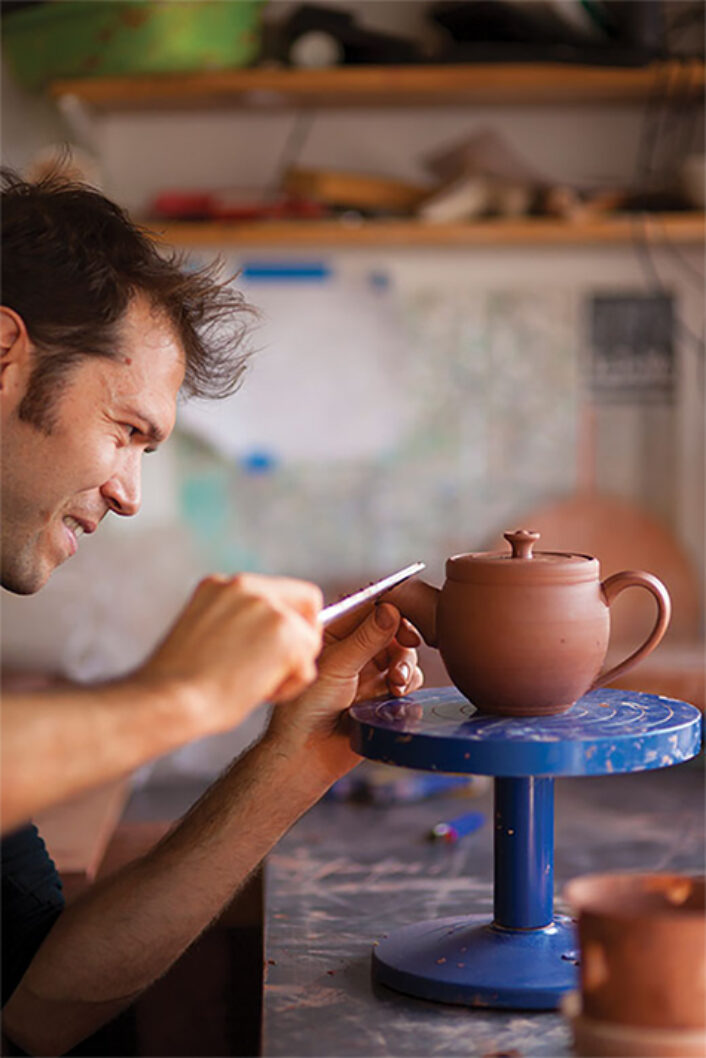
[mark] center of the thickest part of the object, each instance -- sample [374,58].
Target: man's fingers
[302,596]
[376,685]
[346,659]
[242,640]
[343,626]
[413,683]
[402,663]
[407,634]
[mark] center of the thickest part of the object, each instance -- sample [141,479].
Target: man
[99,334]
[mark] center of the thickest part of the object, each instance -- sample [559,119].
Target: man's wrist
[173,711]
[308,770]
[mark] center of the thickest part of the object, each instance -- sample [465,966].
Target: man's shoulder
[32,900]
[27,866]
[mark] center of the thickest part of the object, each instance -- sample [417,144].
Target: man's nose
[122,491]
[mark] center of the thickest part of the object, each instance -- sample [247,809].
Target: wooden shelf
[682,228]
[389,86]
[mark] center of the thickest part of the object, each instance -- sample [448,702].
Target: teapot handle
[611,587]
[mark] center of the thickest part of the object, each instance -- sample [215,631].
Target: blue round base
[472,963]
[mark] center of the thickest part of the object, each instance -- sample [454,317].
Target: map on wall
[385,420]
[324,384]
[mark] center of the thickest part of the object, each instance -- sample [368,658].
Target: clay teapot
[523,632]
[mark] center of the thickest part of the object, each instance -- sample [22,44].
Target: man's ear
[15,352]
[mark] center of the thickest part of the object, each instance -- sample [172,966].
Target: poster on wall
[324,385]
[632,357]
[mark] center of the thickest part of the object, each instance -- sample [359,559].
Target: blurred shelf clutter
[470,185]
[471,189]
[141,55]
[48,40]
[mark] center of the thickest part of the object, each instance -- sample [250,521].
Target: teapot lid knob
[522,541]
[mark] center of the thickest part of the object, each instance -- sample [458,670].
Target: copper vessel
[643,965]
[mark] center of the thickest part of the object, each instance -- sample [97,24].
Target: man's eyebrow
[151,430]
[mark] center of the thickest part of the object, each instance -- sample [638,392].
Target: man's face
[110,412]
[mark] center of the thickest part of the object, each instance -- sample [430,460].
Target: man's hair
[72,261]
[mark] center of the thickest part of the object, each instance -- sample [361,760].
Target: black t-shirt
[32,900]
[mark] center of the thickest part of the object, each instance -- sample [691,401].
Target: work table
[346,874]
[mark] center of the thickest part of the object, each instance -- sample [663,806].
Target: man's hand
[376,657]
[240,641]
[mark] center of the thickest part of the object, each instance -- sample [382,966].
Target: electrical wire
[668,99]
[293,146]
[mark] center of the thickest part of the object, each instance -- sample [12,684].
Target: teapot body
[523,633]
[523,649]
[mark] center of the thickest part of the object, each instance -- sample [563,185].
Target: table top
[348,874]
[607,731]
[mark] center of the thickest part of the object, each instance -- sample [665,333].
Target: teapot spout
[417,601]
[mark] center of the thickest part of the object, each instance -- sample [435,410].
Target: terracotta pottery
[607,1039]
[523,632]
[643,952]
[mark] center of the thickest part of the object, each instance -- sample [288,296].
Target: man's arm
[123,934]
[239,641]
[56,743]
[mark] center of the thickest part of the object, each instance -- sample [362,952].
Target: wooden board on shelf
[682,228]
[490,83]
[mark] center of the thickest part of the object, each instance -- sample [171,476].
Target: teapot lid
[522,564]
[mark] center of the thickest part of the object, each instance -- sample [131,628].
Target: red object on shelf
[234,205]
[182,205]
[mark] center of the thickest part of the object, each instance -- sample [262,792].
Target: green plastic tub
[95,38]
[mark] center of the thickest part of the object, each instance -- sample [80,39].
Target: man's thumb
[370,637]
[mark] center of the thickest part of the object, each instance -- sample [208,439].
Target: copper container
[643,949]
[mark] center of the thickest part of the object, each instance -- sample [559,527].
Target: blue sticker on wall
[285,271]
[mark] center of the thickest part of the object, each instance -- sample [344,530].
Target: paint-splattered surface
[347,874]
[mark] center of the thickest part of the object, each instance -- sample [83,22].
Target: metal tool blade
[336,609]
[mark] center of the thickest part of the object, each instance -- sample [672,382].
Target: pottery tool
[379,587]
[454,829]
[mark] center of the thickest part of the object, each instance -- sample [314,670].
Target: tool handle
[457,828]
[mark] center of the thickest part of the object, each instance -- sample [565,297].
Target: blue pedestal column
[524,853]
[525,958]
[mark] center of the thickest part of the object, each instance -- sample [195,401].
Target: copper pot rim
[605,896]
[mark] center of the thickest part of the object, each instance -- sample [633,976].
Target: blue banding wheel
[606,731]
[526,958]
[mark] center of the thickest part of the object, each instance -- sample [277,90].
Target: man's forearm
[57,743]
[125,933]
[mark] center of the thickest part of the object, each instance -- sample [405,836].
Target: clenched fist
[240,641]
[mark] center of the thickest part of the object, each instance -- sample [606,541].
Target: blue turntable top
[605,731]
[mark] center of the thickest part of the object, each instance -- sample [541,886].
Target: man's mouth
[74,525]
[75,529]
